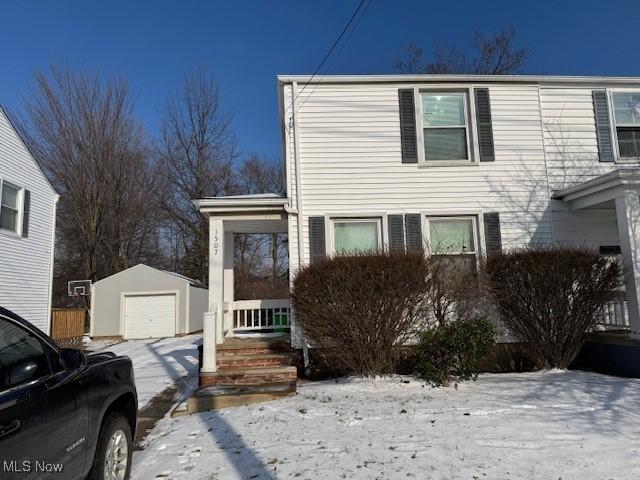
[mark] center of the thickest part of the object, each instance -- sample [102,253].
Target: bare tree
[84,133]
[410,61]
[256,277]
[197,152]
[494,54]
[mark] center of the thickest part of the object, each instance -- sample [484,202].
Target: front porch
[605,212]
[246,343]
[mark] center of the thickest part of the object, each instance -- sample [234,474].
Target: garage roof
[195,283]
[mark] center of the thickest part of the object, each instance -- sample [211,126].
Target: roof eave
[240,206]
[429,78]
[620,177]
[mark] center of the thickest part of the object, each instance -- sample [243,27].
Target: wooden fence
[68,324]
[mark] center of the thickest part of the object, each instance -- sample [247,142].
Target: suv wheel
[113,453]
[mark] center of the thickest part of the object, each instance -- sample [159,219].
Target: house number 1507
[215,243]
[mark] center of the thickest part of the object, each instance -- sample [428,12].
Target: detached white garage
[145,302]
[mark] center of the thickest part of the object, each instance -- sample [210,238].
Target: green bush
[454,351]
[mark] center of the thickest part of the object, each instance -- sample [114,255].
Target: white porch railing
[255,315]
[615,314]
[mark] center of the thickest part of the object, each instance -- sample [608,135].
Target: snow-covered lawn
[158,363]
[551,425]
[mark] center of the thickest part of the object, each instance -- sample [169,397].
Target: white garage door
[149,316]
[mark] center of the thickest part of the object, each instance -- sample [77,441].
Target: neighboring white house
[479,163]
[27,230]
[144,302]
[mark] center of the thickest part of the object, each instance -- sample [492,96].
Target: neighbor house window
[355,235]
[445,126]
[455,239]
[9,207]
[626,114]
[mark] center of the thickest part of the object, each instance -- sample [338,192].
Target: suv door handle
[9,428]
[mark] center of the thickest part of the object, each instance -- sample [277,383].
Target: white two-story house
[481,163]
[27,230]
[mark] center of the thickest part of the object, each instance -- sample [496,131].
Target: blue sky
[247,43]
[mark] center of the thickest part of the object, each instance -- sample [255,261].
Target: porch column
[228,290]
[216,272]
[628,219]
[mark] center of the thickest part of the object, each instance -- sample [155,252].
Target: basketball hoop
[79,288]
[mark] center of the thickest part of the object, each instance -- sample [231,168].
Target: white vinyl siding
[350,162]
[571,143]
[593,227]
[25,263]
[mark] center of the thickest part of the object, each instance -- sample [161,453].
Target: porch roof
[239,204]
[600,189]
[260,213]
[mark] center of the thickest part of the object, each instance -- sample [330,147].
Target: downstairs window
[355,235]
[455,239]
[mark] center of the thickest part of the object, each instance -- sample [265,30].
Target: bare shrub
[358,311]
[550,297]
[454,289]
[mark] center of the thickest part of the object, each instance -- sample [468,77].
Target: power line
[335,44]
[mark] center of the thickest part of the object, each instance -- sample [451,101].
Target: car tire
[115,436]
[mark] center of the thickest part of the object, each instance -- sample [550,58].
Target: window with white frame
[353,235]
[10,200]
[445,126]
[455,239]
[626,116]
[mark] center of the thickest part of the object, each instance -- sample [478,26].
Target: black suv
[63,414]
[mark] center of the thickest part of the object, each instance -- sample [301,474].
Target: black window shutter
[492,235]
[413,231]
[483,121]
[603,128]
[408,140]
[396,232]
[26,213]
[317,244]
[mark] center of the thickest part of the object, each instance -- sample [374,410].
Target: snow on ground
[547,425]
[158,363]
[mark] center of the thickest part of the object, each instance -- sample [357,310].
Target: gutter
[614,178]
[426,78]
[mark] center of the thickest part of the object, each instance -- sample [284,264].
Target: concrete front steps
[250,370]
[222,396]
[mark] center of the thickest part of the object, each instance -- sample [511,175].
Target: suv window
[22,356]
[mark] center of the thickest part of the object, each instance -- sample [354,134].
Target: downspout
[296,156]
[546,167]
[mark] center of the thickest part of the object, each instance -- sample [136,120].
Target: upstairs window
[9,207]
[356,235]
[626,114]
[445,126]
